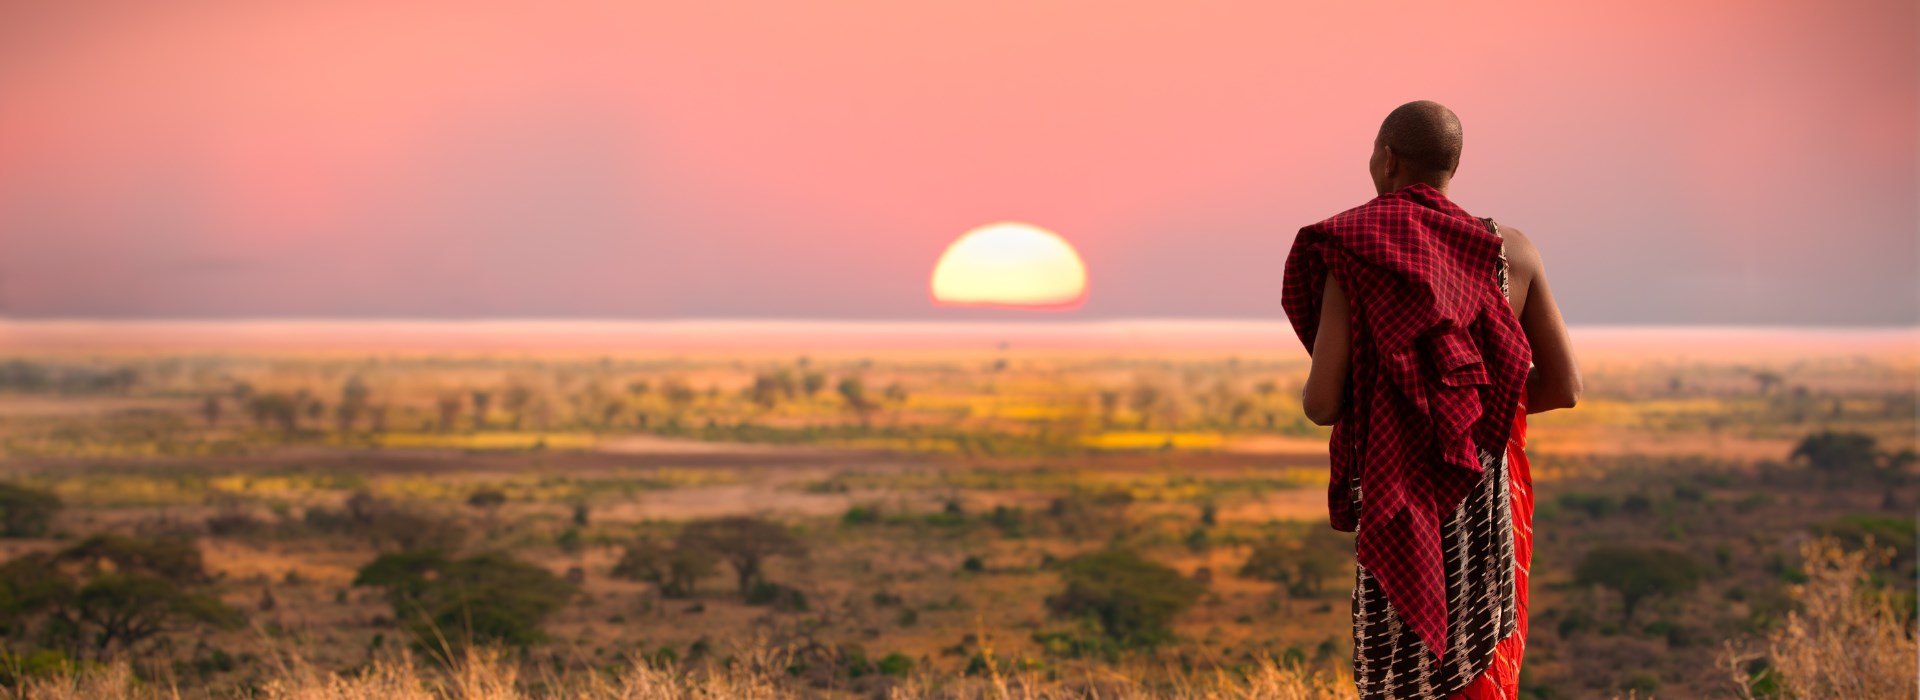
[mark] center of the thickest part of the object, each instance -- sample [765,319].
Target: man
[1433,335]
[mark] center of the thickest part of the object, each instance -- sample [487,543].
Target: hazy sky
[1697,162]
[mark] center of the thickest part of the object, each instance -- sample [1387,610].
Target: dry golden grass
[755,676]
[1846,641]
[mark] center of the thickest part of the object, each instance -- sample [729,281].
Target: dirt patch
[654,445]
[66,406]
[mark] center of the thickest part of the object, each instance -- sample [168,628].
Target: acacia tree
[210,410]
[1637,573]
[679,396]
[745,543]
[789,386]
[896,396]
[675,570]
[275,408]
[482,403]
[488,501]
[1109,406]
[854,392]
[110,594]
[765,392]
[1837,452]
[1144,400]
[480,600]
[515,400]
[449,405]
[354,396]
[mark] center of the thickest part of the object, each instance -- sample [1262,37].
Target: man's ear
[1391,164]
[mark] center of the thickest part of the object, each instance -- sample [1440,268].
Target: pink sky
[1699,162]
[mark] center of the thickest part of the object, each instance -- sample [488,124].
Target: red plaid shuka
[1439,364]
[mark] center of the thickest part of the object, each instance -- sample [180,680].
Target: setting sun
[1010,264]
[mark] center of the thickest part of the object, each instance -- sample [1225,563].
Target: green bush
[571,541]
[1753,502]
[895,664]
[1010,521]
[782,597]
[1133,600]
[1642,682]
[1302,567]
[34,665]
[1594,505]
[448,604]
[1899,533]
[1838,452]
[1637,573]
[26,512]
[1636,504]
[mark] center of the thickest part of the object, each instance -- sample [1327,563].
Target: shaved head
[1425,136]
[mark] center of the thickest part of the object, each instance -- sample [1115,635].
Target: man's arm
[1326,381]
[1554,382]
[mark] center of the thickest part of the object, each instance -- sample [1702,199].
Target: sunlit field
[906,510]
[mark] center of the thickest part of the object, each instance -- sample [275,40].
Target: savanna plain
[1718,517]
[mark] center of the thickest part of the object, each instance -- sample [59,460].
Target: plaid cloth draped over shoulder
[1439,364]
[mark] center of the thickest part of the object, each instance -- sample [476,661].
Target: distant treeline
[35,377]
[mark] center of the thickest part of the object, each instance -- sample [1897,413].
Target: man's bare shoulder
[1521,253]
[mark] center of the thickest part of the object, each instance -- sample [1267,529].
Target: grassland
[936,496]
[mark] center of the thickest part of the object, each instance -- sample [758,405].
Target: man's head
[1418,142]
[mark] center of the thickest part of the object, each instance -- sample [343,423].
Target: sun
[1010,264]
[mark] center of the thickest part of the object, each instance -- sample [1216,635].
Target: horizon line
[1279,321]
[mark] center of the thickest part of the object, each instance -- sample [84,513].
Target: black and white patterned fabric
[1477,542]
[1389,660]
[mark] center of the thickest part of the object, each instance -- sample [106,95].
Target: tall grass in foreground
[488,676]
[1847,640]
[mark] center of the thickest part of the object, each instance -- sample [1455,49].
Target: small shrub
[895,664]
[571,541]
[1133,600]
[1636,504]
[1642,682]
[1594,505]
[487,499]
[782,597]
[1848,639]
[1753,502]
[26,512]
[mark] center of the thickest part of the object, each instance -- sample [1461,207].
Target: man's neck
[1441,185]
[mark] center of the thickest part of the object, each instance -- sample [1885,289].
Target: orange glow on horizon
[1010,265]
